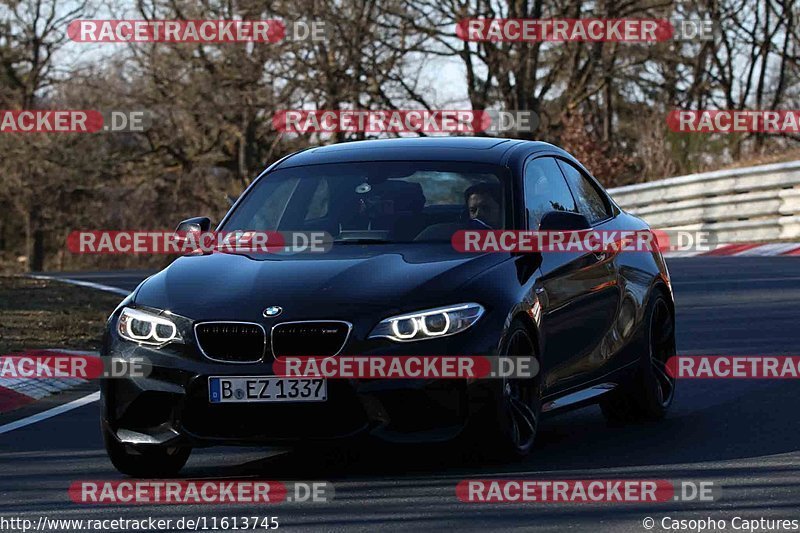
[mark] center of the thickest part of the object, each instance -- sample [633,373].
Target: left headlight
[429,324]
[146,328]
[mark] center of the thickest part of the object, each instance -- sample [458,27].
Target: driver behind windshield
[484,205]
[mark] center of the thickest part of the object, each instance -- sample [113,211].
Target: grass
[780,157]
[37,314]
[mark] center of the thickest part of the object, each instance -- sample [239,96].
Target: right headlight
[146,328]
[429,324]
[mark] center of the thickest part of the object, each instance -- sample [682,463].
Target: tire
[513,422]
[652,391]
[145,461]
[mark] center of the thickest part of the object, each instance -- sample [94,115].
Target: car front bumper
[170,405]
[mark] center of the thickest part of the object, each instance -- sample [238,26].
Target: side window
[318,206]
[545,190]
[590,201]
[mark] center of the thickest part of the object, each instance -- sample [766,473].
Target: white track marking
[98,286]
[50,413]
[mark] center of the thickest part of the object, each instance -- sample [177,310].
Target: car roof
[467,149]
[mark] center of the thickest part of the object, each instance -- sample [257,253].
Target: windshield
[377,201]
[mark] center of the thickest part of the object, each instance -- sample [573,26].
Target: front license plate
[231,389]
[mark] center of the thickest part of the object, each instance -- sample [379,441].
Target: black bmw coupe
[600,324]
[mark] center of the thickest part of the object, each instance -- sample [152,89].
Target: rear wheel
[515,420]
[145,461]
[652,391]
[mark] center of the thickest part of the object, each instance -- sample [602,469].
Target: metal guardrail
[752,204]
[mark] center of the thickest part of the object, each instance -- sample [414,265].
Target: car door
[599,278]
[575,289]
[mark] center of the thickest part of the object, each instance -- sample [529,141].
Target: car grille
[235,342]
[320,338]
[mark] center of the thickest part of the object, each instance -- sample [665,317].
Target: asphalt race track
[743,435]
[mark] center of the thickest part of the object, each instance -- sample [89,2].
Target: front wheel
[515,419]
[147,461]
[652,391]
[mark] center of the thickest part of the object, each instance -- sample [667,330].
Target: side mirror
[194,224]
[563,221]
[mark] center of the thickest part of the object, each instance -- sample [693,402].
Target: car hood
[346,280]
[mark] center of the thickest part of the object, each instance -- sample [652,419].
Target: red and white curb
[17,392]
[745,250]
